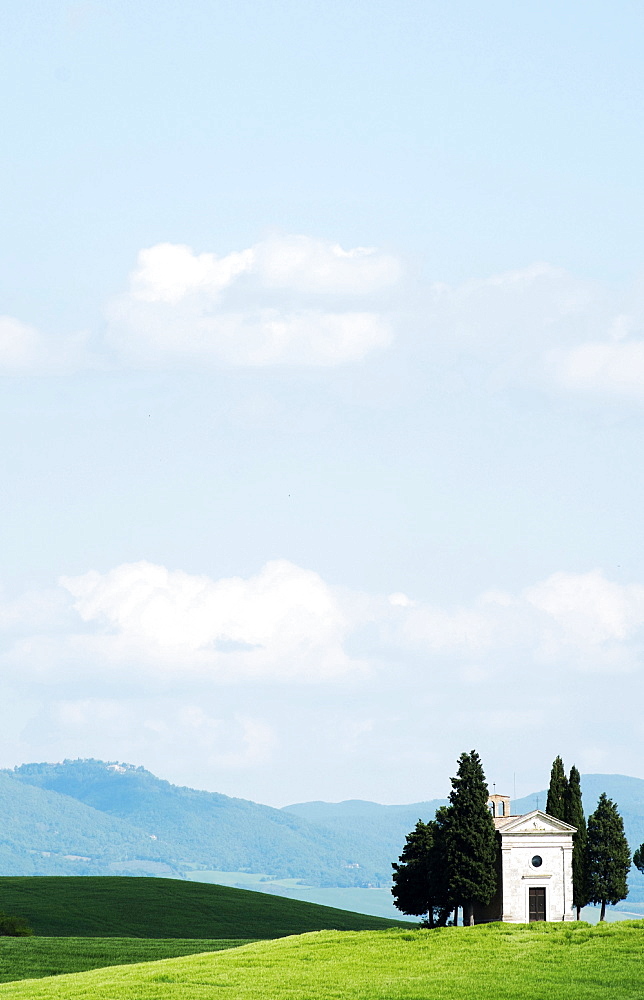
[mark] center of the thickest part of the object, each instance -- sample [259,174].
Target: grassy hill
[165,908]
[38,957]
[493,962]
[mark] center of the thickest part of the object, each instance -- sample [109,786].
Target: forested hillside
[44,833]
[179,828]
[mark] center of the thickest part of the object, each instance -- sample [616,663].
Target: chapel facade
[534,864]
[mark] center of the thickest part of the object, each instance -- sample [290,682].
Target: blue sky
[321,372]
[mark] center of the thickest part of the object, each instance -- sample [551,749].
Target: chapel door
[537,903]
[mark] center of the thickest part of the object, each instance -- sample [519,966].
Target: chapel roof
[533,822]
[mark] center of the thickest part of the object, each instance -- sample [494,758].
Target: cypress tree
[608,855]
[410,888]
[556,802]
[471,838]
[574,814]
[420,878]
[638,858]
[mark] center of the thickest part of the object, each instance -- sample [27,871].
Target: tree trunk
[579,913]
[430,917]
[602,915]
[456,917]
[468,914]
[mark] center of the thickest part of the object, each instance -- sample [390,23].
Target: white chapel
[534,867]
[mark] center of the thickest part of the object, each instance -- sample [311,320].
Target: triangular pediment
[536,822]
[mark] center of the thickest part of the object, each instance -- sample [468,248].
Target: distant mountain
[170,826]
[379,830]
[390,821]
[44,833]
[105,818]
[384,827]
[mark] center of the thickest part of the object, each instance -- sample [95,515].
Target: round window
[537,861]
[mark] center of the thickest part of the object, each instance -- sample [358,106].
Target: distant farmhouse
[534,866]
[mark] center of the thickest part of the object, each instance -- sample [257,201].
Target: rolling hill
[166,908]
[487,962]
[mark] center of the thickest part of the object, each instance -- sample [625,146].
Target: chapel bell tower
[499,806]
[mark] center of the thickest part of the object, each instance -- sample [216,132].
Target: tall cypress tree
[608,855]
[574,814]
[471,838]
[411,876]
[420,877]
[556,802]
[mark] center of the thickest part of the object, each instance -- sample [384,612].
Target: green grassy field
[34,957]
[493,962]
[103,906]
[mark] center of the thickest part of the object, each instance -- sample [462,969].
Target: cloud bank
[572,621]
[224,677]
[286,624]
[293,300]
[289,300]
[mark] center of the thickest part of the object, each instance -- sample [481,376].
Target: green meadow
[104,906]
[489,962]
[146,938]
[35,957]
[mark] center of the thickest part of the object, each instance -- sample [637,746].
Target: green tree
[420,878]
[574,814]
[638,858]
[608,855]
[556,802]
[471,838]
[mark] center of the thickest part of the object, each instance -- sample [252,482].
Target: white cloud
[193,675]
[615,367]
[284,622]
[581,621]
[400,600]
[286,300]
[317,267]
[24,350]
[20,345]
[168,272]
[529,309]
[542,324]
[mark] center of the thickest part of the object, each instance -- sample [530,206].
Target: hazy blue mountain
[327,812]
[93,817]
[385,827]
[380,831]
[204,829]
[398,820]
[44,833]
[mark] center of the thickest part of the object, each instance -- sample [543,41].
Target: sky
[322,391]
